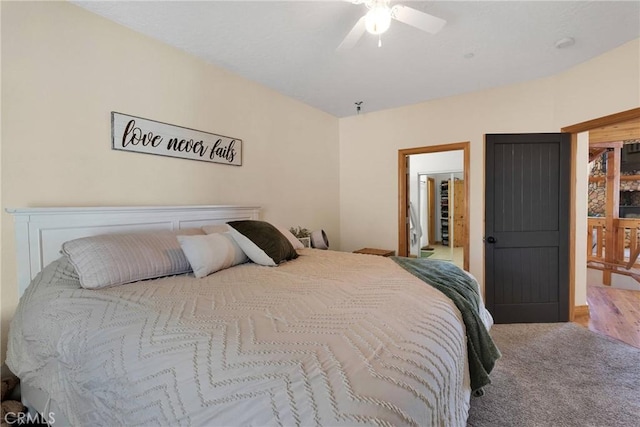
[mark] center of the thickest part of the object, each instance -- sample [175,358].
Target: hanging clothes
[415,230]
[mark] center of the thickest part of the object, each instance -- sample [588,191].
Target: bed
[327,338]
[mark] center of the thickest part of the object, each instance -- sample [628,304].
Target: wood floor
[613,312]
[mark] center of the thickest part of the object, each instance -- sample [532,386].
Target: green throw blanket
[462,290]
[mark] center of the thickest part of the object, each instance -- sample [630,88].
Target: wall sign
[130,133]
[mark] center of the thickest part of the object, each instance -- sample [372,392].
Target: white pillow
[297,244]
[212,252]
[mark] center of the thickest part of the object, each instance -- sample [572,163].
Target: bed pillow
[116,259]
[215,228]
[262,242]
[297,244]
[221,228]
[212,252]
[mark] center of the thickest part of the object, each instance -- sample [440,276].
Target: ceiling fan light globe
[378,19]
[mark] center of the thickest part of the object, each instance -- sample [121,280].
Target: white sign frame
[140,135]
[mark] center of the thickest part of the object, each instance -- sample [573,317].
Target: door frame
[403,190]
[574,130]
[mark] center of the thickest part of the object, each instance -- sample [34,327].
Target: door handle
[491,239]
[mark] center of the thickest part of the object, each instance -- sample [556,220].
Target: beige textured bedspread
[328,339]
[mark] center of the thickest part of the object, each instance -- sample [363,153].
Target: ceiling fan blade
[415,18]
[354,35]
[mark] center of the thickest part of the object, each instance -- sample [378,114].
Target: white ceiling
[290,46]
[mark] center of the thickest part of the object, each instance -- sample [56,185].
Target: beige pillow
[216,228]
[116,259]
[210,253]
[297,244]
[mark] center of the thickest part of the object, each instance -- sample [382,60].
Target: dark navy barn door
[527,227]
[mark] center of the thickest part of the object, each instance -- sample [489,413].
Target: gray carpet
[559,374]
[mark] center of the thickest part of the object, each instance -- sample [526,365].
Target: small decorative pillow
[297,244]
[212,252]
[116,259]
[262,242]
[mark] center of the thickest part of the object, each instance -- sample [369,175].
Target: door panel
[527,227]
[459,209]
[431,183]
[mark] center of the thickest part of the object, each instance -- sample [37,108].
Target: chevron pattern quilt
[330,339]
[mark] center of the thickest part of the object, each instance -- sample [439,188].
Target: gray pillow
[262,242]
[116,259]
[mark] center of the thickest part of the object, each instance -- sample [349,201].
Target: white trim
[40,232]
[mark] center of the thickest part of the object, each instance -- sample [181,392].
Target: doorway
[580,135]
[407,177]
[441,208]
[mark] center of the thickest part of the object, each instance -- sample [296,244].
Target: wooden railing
[625,250]
[595,239]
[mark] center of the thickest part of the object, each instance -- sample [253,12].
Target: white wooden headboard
[40,232]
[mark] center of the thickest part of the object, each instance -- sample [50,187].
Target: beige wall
[369,188]
[64,70]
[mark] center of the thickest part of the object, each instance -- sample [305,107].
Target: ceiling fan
[378,19]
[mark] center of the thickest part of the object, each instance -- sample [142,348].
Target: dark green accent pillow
[263,243]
